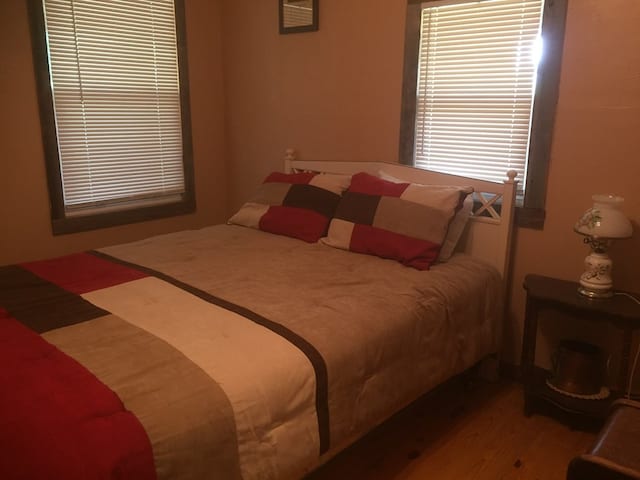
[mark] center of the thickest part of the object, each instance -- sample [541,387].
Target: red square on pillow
[294,222]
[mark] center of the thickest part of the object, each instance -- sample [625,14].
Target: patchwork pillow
[298,205]
[402,221]
[456,227]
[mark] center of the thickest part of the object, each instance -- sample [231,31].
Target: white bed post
[506,222]
[289,158]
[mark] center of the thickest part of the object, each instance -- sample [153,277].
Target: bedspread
[224,352]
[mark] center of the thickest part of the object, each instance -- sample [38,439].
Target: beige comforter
[314,347]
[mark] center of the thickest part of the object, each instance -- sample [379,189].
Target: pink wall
[332,94]
[25,231]
[335,94]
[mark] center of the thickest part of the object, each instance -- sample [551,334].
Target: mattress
[224,352]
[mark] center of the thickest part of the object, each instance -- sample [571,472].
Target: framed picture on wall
[298,16]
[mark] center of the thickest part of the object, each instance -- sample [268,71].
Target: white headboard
[488,234]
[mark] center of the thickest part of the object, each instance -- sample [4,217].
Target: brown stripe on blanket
[314,356]
[39,304]
[185,413]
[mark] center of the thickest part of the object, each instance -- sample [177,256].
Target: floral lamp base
[596,281]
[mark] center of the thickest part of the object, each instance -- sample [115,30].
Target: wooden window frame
[62,223]
[532,213]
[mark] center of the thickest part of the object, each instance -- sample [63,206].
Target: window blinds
[475,87]
[115,83]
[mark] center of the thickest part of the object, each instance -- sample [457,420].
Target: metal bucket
[578,368]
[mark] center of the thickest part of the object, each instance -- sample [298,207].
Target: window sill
[67,225]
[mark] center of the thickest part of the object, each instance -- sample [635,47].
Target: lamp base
[596,282]
[594,294]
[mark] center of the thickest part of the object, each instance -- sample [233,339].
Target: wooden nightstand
[561,295]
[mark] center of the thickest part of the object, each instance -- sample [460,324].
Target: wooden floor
[460,433]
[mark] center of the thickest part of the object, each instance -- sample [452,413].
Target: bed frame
[488,234]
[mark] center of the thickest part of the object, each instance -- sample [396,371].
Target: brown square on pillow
[358,208]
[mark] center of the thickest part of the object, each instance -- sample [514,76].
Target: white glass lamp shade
[600,224]
[604,220]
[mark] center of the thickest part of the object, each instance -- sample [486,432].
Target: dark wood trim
[185,106]
[409,84]
[544,107]
[304,28]
[45,104]
[61,223]
[66,225]
[530,217]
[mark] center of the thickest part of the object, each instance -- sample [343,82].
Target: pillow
[402,221]
[298,205]
[455,228]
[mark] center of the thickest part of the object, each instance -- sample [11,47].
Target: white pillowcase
[456,227]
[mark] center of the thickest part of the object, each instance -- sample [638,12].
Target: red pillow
[298,205]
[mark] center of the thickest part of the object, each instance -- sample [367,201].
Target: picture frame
[297,16]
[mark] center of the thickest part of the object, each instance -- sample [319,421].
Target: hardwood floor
[462,433]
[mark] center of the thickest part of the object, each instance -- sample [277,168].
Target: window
[480,87]
[114,110]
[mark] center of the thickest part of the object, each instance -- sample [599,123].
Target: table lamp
[601,224]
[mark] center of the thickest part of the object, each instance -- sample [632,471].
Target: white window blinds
[114,75]
[476,81]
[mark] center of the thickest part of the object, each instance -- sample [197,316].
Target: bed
[231,352]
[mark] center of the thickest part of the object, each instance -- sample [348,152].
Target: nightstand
[562,295]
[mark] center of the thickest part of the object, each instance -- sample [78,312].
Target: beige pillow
[456,227]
